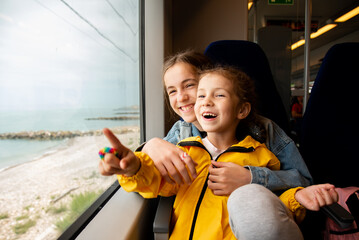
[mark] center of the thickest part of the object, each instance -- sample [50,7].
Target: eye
[220,95]
[171,92]
[190,85]
[200,96]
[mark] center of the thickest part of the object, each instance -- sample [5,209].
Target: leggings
[257,213]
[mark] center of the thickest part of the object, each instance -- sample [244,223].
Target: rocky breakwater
[58,135]
[135,117]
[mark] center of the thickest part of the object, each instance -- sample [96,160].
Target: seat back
[250,58]
[330,124]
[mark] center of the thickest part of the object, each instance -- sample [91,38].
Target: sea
[14,152]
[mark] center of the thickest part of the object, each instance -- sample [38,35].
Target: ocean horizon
[18,151]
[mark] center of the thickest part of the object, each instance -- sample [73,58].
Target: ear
[244,110]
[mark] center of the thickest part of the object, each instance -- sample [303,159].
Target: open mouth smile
[208,115]
[186,108]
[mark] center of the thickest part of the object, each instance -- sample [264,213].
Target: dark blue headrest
[251,59]
[330,124]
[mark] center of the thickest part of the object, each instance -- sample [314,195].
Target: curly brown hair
[244,88]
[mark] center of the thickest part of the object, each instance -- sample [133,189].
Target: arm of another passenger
[293,171]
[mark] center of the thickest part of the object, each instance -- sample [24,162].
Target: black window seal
[81,222]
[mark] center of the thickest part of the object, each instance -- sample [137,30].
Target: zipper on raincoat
[204,188]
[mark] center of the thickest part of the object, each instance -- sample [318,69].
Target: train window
[67,70]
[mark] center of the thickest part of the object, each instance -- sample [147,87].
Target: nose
[207,101]
[182,96]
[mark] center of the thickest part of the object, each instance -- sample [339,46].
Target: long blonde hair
[198,60]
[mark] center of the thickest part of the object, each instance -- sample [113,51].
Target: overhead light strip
[297,44]
[328,27]
[348,15]
[322,30]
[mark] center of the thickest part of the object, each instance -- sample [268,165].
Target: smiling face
[218,108]
[181,83]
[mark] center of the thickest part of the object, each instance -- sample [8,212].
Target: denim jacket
[294,171]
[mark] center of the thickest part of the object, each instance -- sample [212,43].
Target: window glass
[67,69]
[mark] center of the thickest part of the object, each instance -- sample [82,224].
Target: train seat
[330,128]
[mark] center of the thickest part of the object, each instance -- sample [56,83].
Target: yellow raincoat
[197,212]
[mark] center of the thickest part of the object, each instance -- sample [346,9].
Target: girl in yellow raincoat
[223,109]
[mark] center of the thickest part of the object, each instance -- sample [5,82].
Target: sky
[68,54]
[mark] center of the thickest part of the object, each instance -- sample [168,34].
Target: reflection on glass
[67,69]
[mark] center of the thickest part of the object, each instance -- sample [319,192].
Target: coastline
[63,138]
[59,135]
[31,188]
[52,150]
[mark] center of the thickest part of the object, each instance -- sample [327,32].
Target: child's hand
[171,162]
[225,177]
[127,164]
[316,196]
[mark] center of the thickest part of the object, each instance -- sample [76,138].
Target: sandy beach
[29,190]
